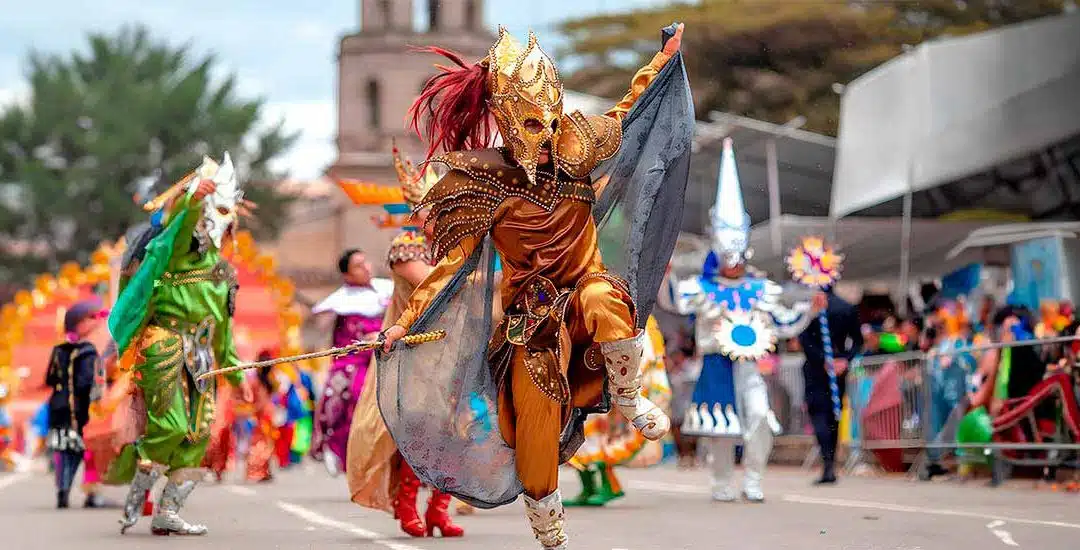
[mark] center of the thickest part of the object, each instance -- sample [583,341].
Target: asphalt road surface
[664,510]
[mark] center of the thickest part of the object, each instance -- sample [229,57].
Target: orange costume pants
[530,421]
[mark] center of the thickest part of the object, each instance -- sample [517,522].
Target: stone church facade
[378,78]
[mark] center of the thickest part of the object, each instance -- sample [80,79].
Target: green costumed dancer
[174,314]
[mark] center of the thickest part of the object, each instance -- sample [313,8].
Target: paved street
[664,509]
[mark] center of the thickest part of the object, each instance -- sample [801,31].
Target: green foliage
[776,59]
[97,123]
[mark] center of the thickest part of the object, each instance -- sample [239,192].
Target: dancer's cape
[439,400]
[150,249]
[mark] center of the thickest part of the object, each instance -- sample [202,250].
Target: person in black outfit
[72,368]
[847,342]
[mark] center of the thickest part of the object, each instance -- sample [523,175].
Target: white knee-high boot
[546,519]
[757,434]
[624,360]
[722,466]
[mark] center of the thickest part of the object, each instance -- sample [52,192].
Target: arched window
[470,15]
[373,103]
[433,15]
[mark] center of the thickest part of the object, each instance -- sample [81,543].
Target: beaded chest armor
[464,201]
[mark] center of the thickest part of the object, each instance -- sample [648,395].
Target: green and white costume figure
[174,311]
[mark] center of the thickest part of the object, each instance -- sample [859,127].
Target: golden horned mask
[414,182]
[526,98]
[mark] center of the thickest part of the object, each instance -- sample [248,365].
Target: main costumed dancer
[739,315]
[610,441]
[359,306]
[572,323]
[174,313]
[378,477]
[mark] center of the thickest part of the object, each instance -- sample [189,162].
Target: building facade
[378,78]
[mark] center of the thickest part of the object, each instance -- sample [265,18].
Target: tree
[98,126]
[776,59]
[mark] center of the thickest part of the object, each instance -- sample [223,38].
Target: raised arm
[685,296]
[646,75]
[790,316]
[190,206]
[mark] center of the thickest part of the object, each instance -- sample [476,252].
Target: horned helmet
[221,208]
[730,223]
[526,98]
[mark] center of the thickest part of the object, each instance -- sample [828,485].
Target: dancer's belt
[536,321]
[538,307]
[198,341]
[218,273]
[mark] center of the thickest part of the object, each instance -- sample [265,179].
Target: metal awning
[804,169]
[989,120]
[1004,235]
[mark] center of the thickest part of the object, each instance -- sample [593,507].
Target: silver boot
[167,521]
[145,476]
[722,464]
[546,519]
[623,359]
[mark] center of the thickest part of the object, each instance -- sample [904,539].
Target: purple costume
[359,312]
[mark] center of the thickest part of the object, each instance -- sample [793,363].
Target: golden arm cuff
[641,80]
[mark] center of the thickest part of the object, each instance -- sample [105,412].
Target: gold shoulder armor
[585,141]
[463,202]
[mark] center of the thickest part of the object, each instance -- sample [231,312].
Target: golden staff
[412,339]
[169,194]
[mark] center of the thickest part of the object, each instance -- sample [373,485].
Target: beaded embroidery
[218,273]
[464,202]
[586,141]
[408,246]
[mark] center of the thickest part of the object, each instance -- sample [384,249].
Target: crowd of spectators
[961,368]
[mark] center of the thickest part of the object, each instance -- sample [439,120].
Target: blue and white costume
[737,320]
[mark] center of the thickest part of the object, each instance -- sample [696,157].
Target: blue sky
[279,49]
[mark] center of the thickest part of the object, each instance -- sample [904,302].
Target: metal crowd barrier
[897,421]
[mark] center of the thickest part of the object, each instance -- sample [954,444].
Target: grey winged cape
[439,400]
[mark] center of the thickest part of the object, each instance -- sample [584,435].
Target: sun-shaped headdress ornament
[814,264]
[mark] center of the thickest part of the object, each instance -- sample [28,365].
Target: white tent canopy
[953,108]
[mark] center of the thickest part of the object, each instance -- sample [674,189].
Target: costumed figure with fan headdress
[174,313]
[491,411]
[378,477]
[739,315]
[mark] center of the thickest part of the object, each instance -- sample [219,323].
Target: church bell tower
[378,77]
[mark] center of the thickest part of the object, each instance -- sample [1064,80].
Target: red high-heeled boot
[405,503]
[438,516]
